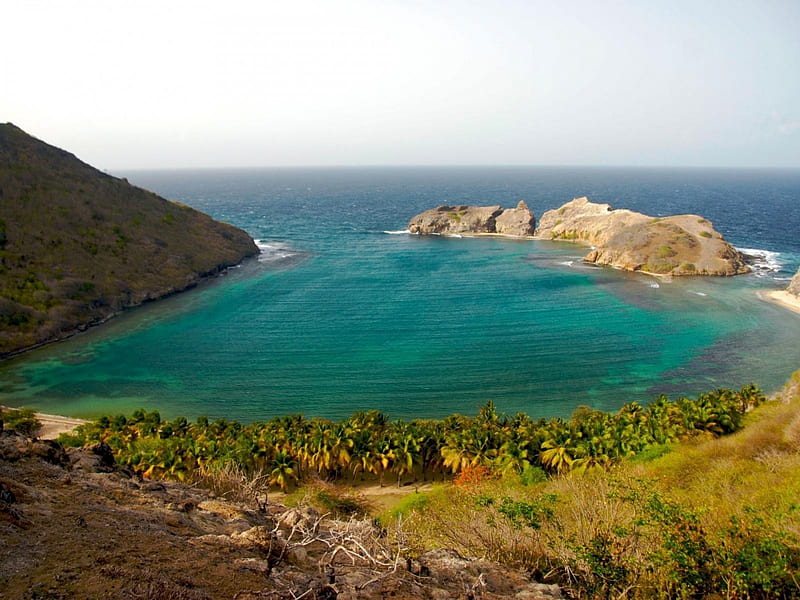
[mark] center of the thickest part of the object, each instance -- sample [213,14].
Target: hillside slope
[78,246]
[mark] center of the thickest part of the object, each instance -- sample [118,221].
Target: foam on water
[275,252]
[763,262]
[398,232]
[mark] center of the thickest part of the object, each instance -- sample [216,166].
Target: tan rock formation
[463,219]
[518,222]
[674,245]
[794,286]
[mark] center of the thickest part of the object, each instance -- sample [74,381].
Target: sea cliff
[78,245]
[674,245]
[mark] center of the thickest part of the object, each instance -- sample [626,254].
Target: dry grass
[234,483]
[722,506]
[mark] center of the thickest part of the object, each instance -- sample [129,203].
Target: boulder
[97,458]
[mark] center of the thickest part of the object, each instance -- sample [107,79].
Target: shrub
[665,252]
[705,234]
[22,420]
[532,475]
[473,476]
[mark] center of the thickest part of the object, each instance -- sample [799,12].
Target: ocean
[344,311]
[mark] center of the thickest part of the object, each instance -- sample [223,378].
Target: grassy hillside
[706,518]
[77,245]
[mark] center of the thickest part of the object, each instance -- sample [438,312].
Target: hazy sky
[358,82]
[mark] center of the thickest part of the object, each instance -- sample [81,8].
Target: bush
[22,420]
[532,475]
[665,252]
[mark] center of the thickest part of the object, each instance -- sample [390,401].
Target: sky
[174,83]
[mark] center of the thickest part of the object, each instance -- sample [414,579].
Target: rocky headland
[78,245]
[673,245]
[475,220]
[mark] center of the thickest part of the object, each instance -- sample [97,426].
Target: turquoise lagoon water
[344,312]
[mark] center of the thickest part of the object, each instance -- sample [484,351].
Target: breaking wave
[763,262]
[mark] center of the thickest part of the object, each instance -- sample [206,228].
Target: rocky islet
[624,239]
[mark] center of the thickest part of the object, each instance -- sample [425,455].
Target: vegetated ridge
[77,245]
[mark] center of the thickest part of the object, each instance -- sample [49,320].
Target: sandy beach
[783,298]
[54,425]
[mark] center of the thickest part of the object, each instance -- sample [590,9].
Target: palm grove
[292,448]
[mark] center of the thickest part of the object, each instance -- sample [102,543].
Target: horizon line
[456,166]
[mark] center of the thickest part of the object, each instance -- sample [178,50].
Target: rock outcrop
[674,245]
[78,245]
[466,220]
[794,285]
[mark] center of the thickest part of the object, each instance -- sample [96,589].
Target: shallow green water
[340,316]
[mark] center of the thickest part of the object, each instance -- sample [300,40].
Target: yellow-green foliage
[22,420]
[709,517]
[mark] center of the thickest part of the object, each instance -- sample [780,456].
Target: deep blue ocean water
[342,312]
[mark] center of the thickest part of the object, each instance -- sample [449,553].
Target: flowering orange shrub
[473,475]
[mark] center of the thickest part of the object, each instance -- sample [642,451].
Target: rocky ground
[74,525]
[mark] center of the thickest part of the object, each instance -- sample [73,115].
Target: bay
[343,312]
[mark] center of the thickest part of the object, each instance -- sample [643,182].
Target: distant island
[77,246]
[674,245]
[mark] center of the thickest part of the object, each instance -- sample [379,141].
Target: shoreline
[782,298]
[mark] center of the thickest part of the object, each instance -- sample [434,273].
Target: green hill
[77,245]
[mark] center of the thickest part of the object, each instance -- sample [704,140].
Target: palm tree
[555,455]
[282,471]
